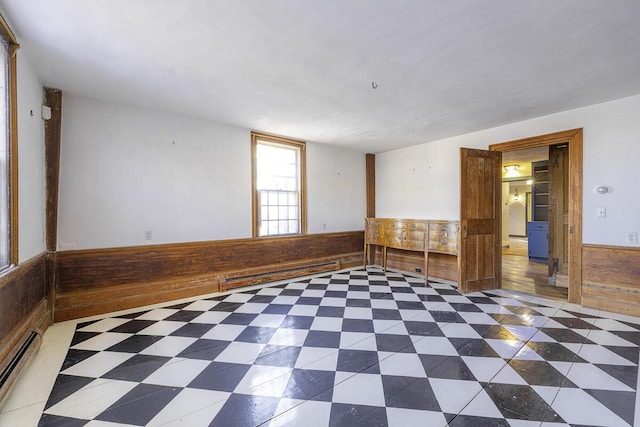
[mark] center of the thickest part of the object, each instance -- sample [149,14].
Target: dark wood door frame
[574,139]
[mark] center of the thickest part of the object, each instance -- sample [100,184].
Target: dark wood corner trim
[52,129]
[370,165]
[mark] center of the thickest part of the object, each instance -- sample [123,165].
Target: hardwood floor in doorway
[521,275]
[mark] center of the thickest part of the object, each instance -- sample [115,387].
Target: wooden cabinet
[411,235]
[538,228]
[406,234]
[538,240]
[540,191]
[374,231]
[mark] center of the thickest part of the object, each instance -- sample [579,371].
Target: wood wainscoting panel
[611,278]
[441,266]
[97,281]
[24,317]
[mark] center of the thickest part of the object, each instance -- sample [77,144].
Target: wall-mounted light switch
[601,212]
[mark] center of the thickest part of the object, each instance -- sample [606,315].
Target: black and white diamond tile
[347,349]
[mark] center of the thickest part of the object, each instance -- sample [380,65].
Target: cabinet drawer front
[415,226]
[394,238]
[374,224]
[443,237]
[414,245]
[407,225]
[443,228]
[375,236]
[403,239]
[395,225]
[415,236]
[444,246]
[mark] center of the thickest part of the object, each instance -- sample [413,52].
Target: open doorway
[573,216]
[526,195]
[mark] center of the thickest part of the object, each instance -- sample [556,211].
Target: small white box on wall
[46,112]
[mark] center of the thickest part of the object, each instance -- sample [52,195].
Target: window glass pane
[283,212]
[292,184]
[269,182]
[277,168]
[289,170]
[273,228]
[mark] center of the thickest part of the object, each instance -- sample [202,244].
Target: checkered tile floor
[349,349]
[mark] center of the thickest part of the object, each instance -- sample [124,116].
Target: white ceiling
[305,68]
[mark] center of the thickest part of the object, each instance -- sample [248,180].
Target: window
[278,172]
[8,152]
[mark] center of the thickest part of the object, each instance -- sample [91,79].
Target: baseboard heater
[10,373]
[245,279]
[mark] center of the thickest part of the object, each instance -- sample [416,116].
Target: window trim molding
[8,35]
[255,136]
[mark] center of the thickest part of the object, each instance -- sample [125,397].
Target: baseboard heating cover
[17,363]
[244,277]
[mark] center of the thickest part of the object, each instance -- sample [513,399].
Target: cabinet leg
[426,268]
[384,259]
[365,256]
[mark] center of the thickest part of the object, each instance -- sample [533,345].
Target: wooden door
[480,224]
[558,214]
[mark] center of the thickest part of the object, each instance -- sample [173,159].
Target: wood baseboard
[99,281]
[89,302]
[271,273]
[610,278]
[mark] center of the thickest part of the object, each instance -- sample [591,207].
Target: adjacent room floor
[521,275]
[351,348]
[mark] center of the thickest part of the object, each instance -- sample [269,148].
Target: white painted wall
[423,181]
[517,218]
[127,170]
[335,189]
[505,214]
[419,182]
[31,180]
